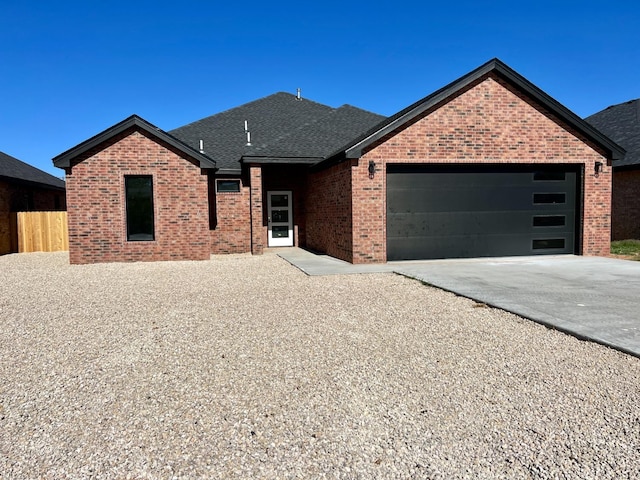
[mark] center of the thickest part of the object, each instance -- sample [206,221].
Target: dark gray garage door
[474,211]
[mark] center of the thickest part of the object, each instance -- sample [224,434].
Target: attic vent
[298,96]
[246,130]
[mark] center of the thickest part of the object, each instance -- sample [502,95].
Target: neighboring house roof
[64,159]
[13,169]
[622,123]
[282,127]
[355,148]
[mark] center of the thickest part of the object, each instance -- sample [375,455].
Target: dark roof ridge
[63,160]
[237,107]
[348,105]
[622,103]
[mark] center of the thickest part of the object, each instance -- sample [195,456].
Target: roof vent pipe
[246,126]
[298,96]
[201,146]
[248,139]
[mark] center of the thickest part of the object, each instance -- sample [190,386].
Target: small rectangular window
[540,198]
[548,243]
[228,186]
[549,220]
[280,232]
[548,176]
[139,207]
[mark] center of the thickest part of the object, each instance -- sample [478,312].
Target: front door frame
[280,241]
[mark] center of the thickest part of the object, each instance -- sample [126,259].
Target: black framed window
[228,186]
[139,206]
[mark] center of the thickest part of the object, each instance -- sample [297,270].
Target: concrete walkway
[589,297]
[317,264]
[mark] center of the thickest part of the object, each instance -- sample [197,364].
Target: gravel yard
[244,367]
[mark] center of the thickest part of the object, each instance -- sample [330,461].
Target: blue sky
[70,69]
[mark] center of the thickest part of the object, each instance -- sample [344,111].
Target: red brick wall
[329,211]
[96,203]
[258,227]
[369,212]
[625,211]
[489,123]
[231,229]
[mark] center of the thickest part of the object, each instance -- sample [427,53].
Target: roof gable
[355,148]
[12,168]
[64,159]
[621,123]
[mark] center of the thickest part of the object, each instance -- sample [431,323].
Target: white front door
[280,221]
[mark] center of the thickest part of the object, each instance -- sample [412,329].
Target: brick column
[257,228]
[369,211]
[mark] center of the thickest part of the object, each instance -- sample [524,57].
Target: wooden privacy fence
[42,231]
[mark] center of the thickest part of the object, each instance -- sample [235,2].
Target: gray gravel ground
[243,367]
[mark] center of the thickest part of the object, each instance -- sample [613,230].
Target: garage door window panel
[549,220]
[547,198]
[548,244]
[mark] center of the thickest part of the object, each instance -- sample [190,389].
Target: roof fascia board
[495,65]
[281,160]
[31,183]
[626,167]
[229,171]
[64,159]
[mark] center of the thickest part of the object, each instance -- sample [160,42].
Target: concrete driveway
[590,297]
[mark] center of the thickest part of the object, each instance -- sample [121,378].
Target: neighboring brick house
[487,166]
[622,124]
[24,188]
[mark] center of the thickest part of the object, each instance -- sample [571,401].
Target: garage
[465,211]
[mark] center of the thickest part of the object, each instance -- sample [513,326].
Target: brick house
[621,123]
[489,165]
[24,188]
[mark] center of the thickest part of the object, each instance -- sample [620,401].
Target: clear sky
[69,69]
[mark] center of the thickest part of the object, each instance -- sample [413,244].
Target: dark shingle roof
[622,124]
[15,169]
[281,126]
